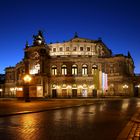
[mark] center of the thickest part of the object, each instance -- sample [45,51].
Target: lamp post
[125,87]
[1,92]
[137,90]
[27,79]
[95,78]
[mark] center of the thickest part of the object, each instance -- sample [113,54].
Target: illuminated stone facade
[70,69]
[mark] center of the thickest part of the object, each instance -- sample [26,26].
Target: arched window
[54,70]
[64,70]
[74,70]
[94,69]
[84,70]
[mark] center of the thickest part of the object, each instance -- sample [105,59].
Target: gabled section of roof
[78,39]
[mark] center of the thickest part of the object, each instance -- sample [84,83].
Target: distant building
[2,81]
[79,67]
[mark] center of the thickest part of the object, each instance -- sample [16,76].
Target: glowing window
[64,70]
[74,70]
[94,69]
[84,70]
[54,70]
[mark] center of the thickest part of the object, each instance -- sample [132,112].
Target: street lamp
[125,87]
[138,90]
[1,92]
[27,79]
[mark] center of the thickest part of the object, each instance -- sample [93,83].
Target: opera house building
[79,67]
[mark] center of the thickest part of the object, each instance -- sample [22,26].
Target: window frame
[64,69]
[84,69]
[74,69]
[94,68]
[54,70]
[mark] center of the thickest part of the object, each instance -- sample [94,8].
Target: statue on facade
[39,38]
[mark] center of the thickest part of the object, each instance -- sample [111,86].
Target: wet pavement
[103,120]
[16,107]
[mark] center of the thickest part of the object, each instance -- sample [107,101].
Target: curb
[135,118]
[125,131]
[48,109]
[128,127]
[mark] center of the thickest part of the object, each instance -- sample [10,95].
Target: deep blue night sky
[116,21]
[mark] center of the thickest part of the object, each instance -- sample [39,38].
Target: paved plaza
[129,128]
[16,107]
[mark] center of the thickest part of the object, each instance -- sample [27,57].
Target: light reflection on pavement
[95,122]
